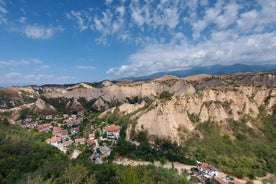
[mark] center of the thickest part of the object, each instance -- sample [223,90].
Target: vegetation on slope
[26,158]
[23,152]
[248,152]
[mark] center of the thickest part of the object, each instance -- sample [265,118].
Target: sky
[50,41]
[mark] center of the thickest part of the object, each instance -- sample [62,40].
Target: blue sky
[50,41]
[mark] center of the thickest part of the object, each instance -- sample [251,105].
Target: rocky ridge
[193,100]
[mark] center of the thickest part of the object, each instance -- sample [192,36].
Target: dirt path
[75,154]
[167,165]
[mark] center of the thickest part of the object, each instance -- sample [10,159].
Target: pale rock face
[165,120]
[41,105]
[130,108]
[216,104]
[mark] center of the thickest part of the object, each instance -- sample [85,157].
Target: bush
[166,95]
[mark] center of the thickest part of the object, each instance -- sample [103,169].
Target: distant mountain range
[212,70]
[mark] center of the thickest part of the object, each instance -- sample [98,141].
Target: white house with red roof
[55,141]
[207,170]
[112,131]
[59,132]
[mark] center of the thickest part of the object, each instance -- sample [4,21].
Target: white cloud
[17,78]
[42,67]
[3,12]
[120,19]
[77,16]
[83,67]
[247,20]
[25,64]
[250,49]
[229,16]
[41,31]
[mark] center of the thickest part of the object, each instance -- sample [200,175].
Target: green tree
[75,174]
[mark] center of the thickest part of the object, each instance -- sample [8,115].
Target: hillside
[228,120]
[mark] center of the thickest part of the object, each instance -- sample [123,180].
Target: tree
[75,174]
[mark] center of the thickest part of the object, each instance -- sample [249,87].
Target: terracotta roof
[53,139]
[91,142]
[57,129]
[112,128]
[80,140]
[207,166]
[67,143]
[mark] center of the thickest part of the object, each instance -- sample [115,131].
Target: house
[65,116]
[208,171]
[44,127]
[80,141]
[54,141]
[81,113]
[49,117]
[59,132]
[67,143]
[78,121]
[75,130]
[91,143]
[74,116]
[112,131]
[91,136]
[68,122]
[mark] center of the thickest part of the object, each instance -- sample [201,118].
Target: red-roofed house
[54,141]
[80,141]
[67,143]
[112,131]
[44,127]
[208,171]
[91,143]
[59,132]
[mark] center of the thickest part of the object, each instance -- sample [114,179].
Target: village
[67,136]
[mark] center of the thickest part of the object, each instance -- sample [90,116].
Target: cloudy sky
[50,41]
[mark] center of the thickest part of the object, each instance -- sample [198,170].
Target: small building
[112,131]
[75,130]
[49,117]
[91,136]
[65,116]
[68,122]
[208,171]
[74,116]
[91,143]
[54,141]
[59,132]
[67,143]
[44,127]
[80,141]
[78,121]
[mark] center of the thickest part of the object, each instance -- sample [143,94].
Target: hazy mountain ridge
[212,70]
